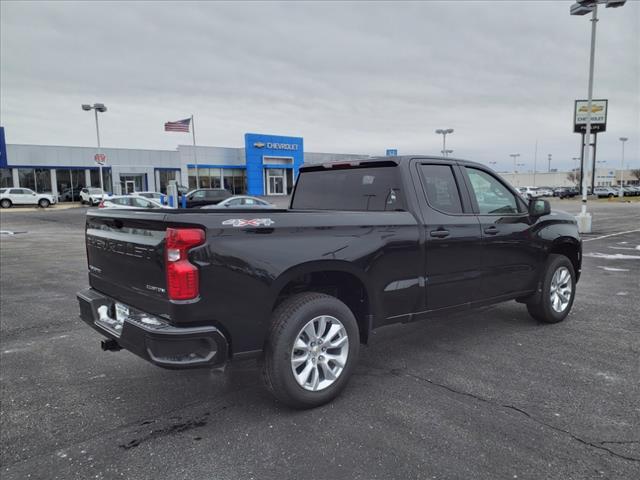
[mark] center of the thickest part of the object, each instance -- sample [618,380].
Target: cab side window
[492,196]
[441,188]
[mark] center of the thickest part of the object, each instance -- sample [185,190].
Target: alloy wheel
[319,353]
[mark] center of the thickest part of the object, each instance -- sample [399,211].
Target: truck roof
[390,161]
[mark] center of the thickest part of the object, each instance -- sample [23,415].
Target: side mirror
[539,207]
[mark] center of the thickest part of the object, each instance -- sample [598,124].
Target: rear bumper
[152,338]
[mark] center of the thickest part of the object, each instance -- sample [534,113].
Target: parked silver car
[241,201]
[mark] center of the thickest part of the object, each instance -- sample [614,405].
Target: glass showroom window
[6,178]
[27,178]
[209,178]
[43,180]
[235,180]
[166,176]
[94,173]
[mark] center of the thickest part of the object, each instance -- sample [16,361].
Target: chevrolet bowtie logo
[259,144]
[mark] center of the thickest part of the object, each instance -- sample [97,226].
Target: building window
[166,177]
[6,178]
[94,173]
[27,178]
[209,177]
[69,183]
[43,180]
[235,180]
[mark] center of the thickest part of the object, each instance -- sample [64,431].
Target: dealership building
[265,165]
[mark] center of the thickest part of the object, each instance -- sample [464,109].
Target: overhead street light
[444,132]
[97,107]
[446,152]
[583,7]
[622,140]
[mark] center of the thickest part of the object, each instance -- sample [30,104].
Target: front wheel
[311,351]
[558,290]
[5,203]
[44,203]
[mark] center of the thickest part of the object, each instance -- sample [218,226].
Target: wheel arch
[337,278]
[571,248]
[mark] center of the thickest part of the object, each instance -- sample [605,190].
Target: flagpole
[195,154]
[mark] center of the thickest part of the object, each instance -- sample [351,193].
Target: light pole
[515,158]
[549,160]
[583,7]
[444,132]
[97,107]
[622,140]
[446,152]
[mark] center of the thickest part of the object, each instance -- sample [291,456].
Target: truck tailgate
[125,253]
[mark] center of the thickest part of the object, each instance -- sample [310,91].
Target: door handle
[439,233]
[491,230]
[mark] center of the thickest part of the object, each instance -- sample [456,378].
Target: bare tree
[636,173]
[574,177]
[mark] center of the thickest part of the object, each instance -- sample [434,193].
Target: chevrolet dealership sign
[598,116]
[276,146]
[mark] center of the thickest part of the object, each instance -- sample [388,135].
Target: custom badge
[253,222]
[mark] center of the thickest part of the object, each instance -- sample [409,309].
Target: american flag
[179,126]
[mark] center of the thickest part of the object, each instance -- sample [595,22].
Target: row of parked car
[570,192]
[200,198]
[538,192]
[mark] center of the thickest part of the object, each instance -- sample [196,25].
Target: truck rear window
[354,189]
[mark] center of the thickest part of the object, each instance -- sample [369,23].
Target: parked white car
[129,202]
[25,196]
[529,192]
[544,192]
[91,195]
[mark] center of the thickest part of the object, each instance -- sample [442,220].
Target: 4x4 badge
[253,222]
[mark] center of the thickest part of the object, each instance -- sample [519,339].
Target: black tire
[44,203]
[287,321]
[610,195]
[5,203]
[540,307]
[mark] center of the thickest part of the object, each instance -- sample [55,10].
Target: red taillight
[182,276]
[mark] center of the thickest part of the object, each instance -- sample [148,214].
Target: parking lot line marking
[611,235]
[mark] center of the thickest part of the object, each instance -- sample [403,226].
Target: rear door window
[354,189]
[441,188]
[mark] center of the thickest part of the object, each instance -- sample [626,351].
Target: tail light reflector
[182,276]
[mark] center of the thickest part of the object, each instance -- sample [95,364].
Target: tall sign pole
[195,153]
[99,157]
[584,218]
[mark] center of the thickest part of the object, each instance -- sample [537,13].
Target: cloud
[348,77]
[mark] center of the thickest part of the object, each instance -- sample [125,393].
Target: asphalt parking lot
[486,395]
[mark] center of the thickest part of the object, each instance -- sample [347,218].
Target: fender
[319,266]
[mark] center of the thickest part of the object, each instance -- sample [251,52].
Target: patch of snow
[612,269]
[623,248]
[622,294]
[615,256]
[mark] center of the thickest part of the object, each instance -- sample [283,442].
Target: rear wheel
[5,203]
[311,351]
[44,203]
[555,299]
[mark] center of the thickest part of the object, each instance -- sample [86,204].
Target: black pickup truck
[364,244]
